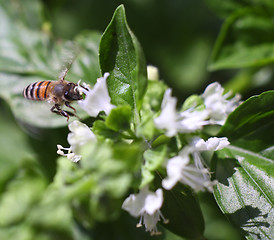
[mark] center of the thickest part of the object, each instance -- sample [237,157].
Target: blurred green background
[177,36]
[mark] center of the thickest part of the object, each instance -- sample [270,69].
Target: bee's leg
[70,113]
[68,105]
[54,111]
[61,112]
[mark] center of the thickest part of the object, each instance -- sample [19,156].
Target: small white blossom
[183,122]
[152,73]
[192,120]
[146,205]
[80,135]
[218,104]
[199,145]
[97,99]
[212,144]
[179,169]
[195,175]
[168,117]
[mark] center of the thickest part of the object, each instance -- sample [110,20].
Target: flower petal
[97,99]
[174,168]
[218,104]
[154,201]
[173,122]
[133,205]
[168,116]
[79,135]
[212,144]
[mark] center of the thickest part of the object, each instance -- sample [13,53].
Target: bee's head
[71,92]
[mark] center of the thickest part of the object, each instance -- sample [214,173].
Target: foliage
[129,150]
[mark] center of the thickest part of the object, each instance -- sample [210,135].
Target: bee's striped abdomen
[37,91]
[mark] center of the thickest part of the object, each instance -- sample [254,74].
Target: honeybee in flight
[58,92]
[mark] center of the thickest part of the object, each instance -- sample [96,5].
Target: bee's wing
[68,55]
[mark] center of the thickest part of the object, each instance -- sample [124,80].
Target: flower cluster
[185,166]
[193,173]
[188,166]
[217,107]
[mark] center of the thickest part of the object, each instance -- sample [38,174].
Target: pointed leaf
[121,55]
[250,120]
[245,169]
[245,192]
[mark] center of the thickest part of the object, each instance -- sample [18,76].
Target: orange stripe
[41,91]
[46,89]
[37,91]
[35,96]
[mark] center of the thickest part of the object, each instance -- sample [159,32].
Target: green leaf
[182,210]
[245,192]
[153,160]
[59,221]
[154,95]
[151,104]
[119,118]
[111,165]
[26,188]
[29,13]
[16,152]
[100,129]
[120,54]
[245,40]
[225,8]
[245,169]
[249,121]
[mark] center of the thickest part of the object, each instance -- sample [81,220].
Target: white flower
[168,117]
[195,175]
[146,204]
[212,144]
[80,135]
[179,169]
[218,105]
[97,99]
[199,145]
[192,120]
[183,122]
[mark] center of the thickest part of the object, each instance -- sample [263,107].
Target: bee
[58,92]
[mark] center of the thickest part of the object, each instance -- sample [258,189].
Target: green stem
[162,139]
